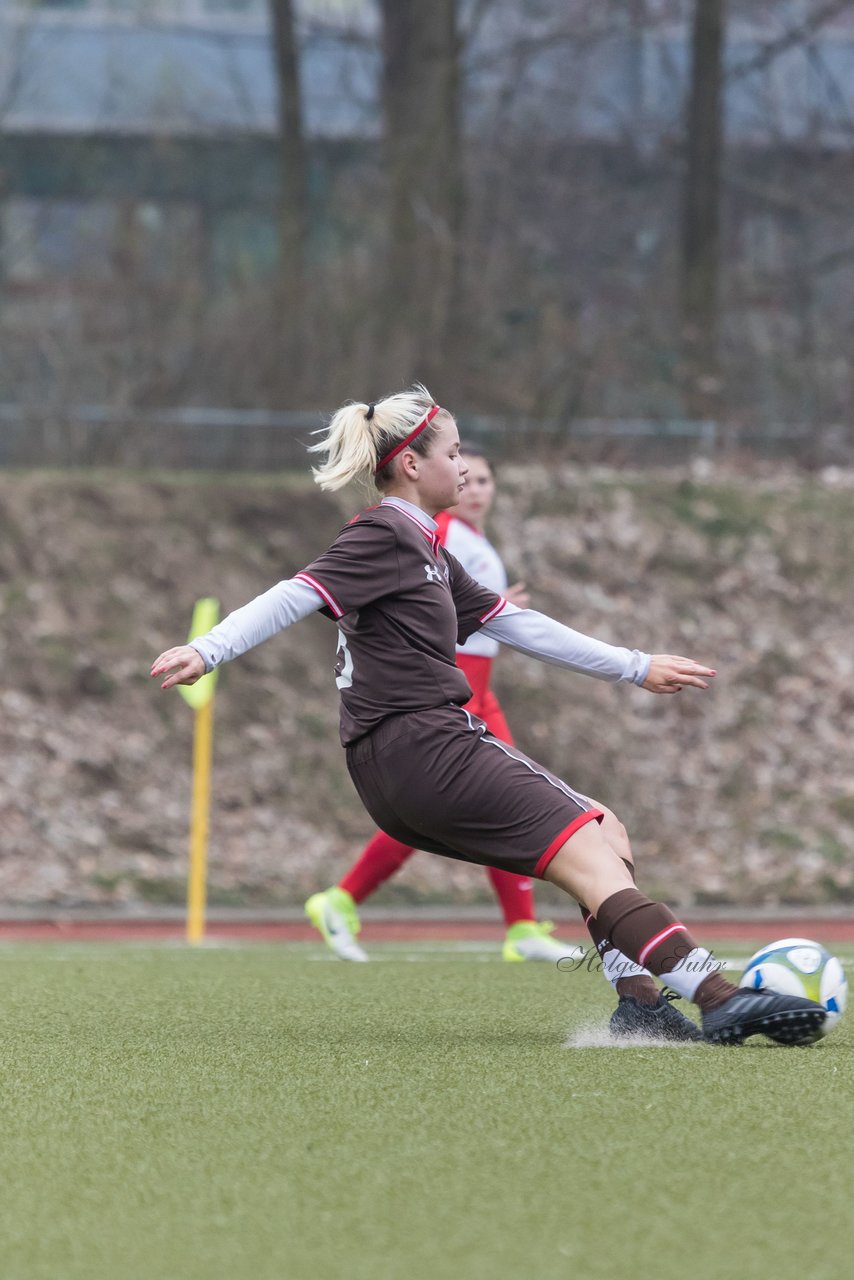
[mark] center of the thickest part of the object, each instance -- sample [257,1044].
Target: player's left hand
[668,673]
[518,595]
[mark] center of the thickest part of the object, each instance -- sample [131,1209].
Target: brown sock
[640,986]
[649,933]
[713,991]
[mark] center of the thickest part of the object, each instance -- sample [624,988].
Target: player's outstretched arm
[542,637]
[181,665]
[668,673]
[285,603]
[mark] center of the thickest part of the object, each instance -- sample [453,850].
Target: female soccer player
[334,911]
[430,773]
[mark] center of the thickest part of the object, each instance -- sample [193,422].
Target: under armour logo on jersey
[433,574]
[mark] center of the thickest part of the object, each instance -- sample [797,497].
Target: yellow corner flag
[205,616]
[200,696]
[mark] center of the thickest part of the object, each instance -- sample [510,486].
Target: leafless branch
[789,39]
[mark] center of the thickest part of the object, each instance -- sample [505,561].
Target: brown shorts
[439,780]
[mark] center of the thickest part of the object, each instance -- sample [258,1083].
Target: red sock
[515,893]
[379,859]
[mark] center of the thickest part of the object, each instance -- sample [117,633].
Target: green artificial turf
[263,1112]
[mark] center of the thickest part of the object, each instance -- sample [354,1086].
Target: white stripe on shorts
[582,801]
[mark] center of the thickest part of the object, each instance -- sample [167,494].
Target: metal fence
[215,439]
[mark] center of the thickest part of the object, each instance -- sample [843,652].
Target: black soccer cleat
[659,1021]
[749,1012]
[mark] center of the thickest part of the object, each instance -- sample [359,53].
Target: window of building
[95,243]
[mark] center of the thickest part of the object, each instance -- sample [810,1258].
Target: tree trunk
[701,212]
[421,294]
[293,195]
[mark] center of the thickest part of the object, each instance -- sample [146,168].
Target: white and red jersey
[479,558]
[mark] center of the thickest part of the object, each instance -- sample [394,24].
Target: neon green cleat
[333,912]
[530,940]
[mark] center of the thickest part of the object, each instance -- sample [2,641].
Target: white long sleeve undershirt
[542,637]
[526,630]
[269,613]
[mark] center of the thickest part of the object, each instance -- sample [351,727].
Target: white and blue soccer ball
[800,967]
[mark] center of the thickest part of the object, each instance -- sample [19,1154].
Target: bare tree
[701,211]
[420,92]
[293,185]
[790,38]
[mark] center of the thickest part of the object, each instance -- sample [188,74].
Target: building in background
[137,128]
[139,149]
[133,126]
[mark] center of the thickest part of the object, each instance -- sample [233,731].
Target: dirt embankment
[745,794]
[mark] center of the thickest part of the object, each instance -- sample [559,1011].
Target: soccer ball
[800,967]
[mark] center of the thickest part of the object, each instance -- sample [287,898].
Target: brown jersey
[402,603]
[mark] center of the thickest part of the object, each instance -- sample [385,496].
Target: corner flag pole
[200,696]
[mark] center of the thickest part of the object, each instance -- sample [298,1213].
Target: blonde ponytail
[361,435]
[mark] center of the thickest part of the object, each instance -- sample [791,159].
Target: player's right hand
[181,665]
[668,673]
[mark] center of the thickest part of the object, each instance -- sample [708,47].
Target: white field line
[380,952]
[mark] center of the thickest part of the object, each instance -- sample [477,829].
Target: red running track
[834,929]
